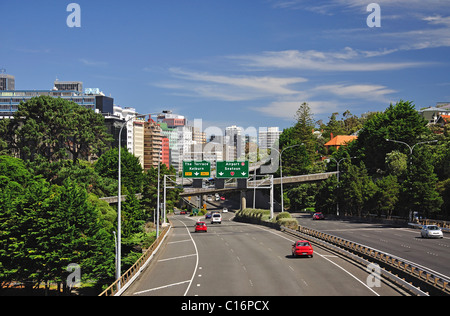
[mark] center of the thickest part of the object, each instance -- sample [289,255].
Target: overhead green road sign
[196,169]
[232,169]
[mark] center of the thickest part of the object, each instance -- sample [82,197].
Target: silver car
[431,231]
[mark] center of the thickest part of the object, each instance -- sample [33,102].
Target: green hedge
[253,215]
[288,222]
[257,216]
[284,215]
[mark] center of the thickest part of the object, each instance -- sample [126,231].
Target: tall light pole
[411,149]
[281,171]
[338,172]
[119,203]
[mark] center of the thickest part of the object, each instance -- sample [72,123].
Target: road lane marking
[175,258]
[196,263]
[365,285]
[176,242]
[161,287]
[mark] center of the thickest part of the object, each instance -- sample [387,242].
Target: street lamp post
[119,203]
[281,171]
[411,149]
[338,172]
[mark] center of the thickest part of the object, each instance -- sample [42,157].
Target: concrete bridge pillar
[243,199]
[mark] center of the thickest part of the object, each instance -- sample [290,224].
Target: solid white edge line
[196,263]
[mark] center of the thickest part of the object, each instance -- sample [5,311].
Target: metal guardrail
[128,277]
[444,225]
[413,270]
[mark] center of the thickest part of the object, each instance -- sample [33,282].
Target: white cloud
[331,6]
[322,61]
[359,91]
[287,109]
[233,88]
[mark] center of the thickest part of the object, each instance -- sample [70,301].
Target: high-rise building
[236,142]
[69,86]
[165,151]
[268,137]
[172,120]
[138,139]
[152,144]
[7,82]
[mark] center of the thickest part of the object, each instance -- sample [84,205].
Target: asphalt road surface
[405,243]
[237,259]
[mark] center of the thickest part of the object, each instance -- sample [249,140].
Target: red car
[201,227]
[302,248]
[318,215]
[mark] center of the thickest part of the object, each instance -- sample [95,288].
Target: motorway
[405,243]
[237,259]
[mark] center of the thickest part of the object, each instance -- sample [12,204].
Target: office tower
[69,86]
[7,82]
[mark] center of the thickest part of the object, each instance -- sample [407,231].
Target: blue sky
[249,63]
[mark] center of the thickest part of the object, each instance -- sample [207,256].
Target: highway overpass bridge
[266,183]
[262,183]
[308,178]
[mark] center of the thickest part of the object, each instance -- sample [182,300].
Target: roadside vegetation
[51,214]
[378,177]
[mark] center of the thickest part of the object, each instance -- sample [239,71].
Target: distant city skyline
[243,63]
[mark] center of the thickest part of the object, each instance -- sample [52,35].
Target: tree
[150,189]
[386,196]
[397,163]
[44,228]
[334,127]
[420,188]
[53,127]
[400,122]
[88,135]
[356,189]
[326,196]
[131,174]
[299,160]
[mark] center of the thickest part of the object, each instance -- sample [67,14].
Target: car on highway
[201,227]
[318,215]
[225,210]
[216,218]
[431,231]
[302,248]
[208,215]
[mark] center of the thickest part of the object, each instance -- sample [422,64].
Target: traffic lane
[402,242]
[324,274]
[170,271]
[241,259]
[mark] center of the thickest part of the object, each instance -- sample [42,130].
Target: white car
[431,231]
[225,210]
[216,218]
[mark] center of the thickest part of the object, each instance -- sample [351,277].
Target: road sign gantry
[196,169]
[232,169]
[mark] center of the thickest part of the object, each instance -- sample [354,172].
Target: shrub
[283,215]
[253,215]
[290,223]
